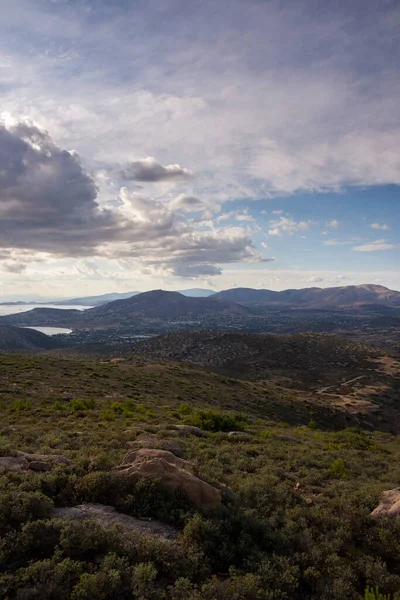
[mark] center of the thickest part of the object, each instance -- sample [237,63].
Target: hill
[87,444]
[335,297]
[18,339]
[57,317]
[255,356]
[111,297]
[159,304]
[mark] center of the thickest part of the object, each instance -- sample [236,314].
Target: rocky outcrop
[22,461]
[107,516]
[389,505]
[172,473]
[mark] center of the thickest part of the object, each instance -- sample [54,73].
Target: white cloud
[376,246]
[287,226]
[383,227]
[333,224]
[209,100]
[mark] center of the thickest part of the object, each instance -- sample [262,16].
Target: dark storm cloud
[47,200]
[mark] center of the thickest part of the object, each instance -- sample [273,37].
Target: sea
[9,309]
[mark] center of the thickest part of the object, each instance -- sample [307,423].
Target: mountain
[18,338]
[335,297]
[112,296]
[160,304]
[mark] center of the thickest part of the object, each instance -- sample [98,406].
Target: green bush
[374,594]
[20,405]
[212,420]
[80,404]
[338,469]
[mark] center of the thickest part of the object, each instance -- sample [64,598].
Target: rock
[39,465]
[52,458]
[240,436]
[171,446]
[172,473]
[13,463]
[191,430]
[389,505]
[22,461]
[144,441]
[288,438]
[107,516]
[145,454]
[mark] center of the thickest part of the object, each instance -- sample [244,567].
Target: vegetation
[294,519]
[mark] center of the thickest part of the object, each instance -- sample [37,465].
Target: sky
[150,144]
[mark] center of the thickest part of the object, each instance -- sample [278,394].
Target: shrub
[108,415]
[338,469]
[374,594]
[117,408]
[143,578]
[212,420]
[184,408]
[20,405]
[80,404]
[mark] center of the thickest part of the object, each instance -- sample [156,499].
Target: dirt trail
[330,387]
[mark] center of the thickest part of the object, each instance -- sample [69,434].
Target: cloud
[223,103]
[333,224]
[287,226]
[337,242]
[376,246]
[384,227]
[150,171]
[47,199]
[49,205]
[187,204]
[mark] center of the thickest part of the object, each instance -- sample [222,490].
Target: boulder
[13,463]
[389,505]
[22,461]
[172,473]
[40,465]
[190,430]
[107,516]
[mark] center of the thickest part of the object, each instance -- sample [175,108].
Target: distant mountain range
[244,306]
[157,305]
[103,298]
[335,297]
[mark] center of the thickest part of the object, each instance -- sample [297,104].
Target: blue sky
[148,144]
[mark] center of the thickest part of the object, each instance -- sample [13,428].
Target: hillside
[251,491]
[159,304]
[18,339]
[57,317]
[256,355]
[335,297]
